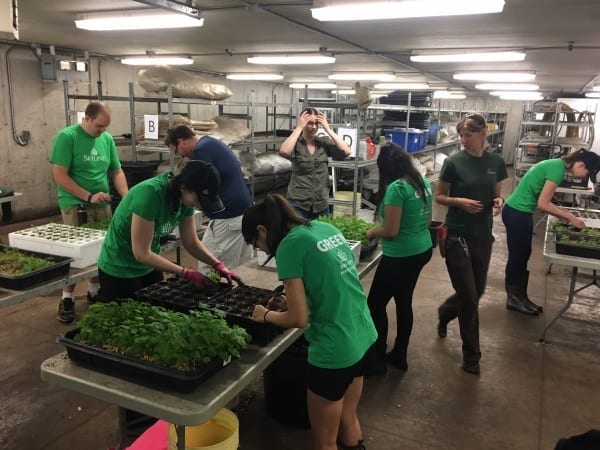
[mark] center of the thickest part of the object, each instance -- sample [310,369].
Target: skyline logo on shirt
[93,156]
[491,171]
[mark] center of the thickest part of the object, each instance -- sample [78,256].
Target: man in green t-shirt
[83,155]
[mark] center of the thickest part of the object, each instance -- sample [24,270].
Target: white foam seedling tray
[81,244]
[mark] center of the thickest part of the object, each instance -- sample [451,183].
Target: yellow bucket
[219,433]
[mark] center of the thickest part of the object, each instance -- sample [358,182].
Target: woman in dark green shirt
[470,185]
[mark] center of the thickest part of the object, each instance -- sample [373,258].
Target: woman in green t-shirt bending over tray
[536,190]
[325,297]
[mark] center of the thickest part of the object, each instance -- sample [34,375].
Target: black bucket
[285,386]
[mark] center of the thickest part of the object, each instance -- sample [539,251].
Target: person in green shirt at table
[536,190]
[129,259]
[325,297]
[404,202]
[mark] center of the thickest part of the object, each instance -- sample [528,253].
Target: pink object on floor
[154,438]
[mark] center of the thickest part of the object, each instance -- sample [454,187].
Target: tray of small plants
[21,269]
[353,229]
[153,346]
[576,242]
[237,303]
[178,295]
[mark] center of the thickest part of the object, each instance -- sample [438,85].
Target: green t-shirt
[88,159]
[475,178]
[340,328]
[525,197]
[414,237]
[149,200]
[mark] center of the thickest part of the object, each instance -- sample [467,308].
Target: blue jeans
[519,231]
[310,214]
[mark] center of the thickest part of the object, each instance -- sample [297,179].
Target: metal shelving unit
[548,133]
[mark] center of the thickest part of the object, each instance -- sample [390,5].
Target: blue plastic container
[434,128]
[416,139]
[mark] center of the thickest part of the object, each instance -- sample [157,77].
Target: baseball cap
[204,179]
[592,163]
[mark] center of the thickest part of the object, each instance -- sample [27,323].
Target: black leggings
[519,231]
[395,277]
[112,288]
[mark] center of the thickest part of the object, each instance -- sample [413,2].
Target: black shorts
[333,383]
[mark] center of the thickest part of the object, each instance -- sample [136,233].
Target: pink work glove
[226,273]
[195,277]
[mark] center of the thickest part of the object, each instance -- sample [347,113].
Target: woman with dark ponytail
[129,259]
[323,295]
[404,203]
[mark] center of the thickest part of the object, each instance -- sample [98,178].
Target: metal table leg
[572,292]
[180,429]
[122,428]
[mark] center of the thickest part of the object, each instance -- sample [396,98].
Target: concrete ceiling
[234,30]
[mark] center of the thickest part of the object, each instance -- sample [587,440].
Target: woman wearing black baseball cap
[536,190]
[130,259]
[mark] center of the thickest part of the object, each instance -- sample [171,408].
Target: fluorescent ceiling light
[313,85]
[344,91]
[495,76]
[254,76]
[141,19]
[292,59]
[596,88]
[449,95]
[343,10]
[402,86]
[468,57]
[592,94]
[363,76]
[157,61]
[507,87]
[517,95]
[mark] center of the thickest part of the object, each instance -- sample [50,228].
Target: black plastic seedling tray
[59,268]
[367,252]
[136,370]
[237,303]
[582,251]
[179,295]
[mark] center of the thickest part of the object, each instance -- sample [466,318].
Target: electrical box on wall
[9,23]
[57,68]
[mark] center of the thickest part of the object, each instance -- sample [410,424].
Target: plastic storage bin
[416,139]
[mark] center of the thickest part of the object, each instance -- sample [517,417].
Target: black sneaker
[471,367]
[66,310]
[91,299]
[442,329]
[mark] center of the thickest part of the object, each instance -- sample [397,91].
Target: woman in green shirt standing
[404,202]
[536,190]
[325,297]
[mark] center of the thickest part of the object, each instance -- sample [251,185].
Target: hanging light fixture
[517,95]
[493,77]
[254,76]
[403,86]
[466,56]
[313,85]
[157,60]
[362,76]
[507,87]
[346,10]
[291,59]
[136,19]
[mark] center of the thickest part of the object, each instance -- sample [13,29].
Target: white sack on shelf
[184,84]
[271,163]
[230,130]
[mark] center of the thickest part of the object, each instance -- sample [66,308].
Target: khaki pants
[69,215]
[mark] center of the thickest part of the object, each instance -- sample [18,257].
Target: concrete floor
[528,394]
